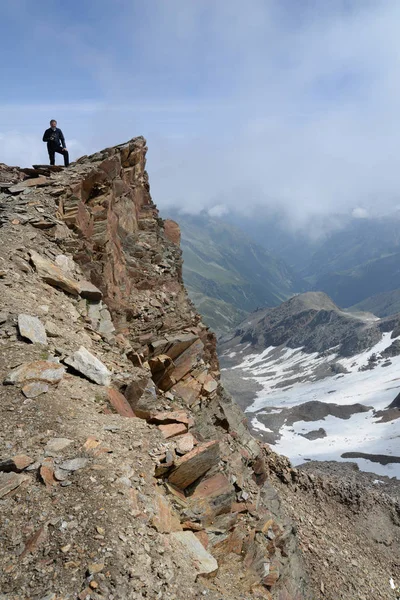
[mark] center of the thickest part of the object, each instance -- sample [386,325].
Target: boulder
[56,445]
[88,365]
[193,465]
[89,291]
[176,416]
[32,329]
[142,397]
[35,181]
[212,497]
[39,370]
[203,562]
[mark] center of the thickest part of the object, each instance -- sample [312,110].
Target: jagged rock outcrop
[125,503]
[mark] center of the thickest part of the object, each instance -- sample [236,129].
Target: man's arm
[46,135]
[62,138]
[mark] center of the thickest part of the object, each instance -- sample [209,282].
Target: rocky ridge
[126,471]
[311,321]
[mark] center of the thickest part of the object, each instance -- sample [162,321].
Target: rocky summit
[126,470]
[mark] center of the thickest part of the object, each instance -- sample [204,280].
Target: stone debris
[88,365]
[74,464]
[32,329]
[202,561]
[185,443]
[56,445]
[9,482]
[40,370]
[52,330]
[34,389]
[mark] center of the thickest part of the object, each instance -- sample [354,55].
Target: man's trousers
[52,149]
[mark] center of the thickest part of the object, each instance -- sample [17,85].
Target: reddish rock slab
[203,538]
[212,497]
[177,416]
[186,361]
[193,465]
[172,429]
[53,274]
[210,385]
[188,389]
[120,403]
[16,464]
[161,368]
[47,472]
[165,520]
[213,486]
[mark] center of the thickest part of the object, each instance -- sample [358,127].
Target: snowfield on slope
[361,433]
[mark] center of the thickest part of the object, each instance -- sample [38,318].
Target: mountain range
[319,382]
[351,259]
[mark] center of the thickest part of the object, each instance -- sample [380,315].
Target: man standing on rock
[55,142]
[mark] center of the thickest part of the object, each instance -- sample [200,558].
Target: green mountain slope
[357,259]
[227,275]
[381,305]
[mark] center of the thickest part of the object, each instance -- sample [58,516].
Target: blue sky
[292,104]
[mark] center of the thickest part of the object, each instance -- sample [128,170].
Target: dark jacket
[55,138]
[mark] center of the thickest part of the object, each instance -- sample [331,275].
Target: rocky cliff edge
[125,469]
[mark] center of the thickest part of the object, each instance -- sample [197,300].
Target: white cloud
[219,210]
[359,213]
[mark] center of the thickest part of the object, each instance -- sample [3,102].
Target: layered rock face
[133,475]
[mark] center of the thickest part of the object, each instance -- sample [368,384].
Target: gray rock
[88,365]
[39,370]
[89,291]
[55,445]
[33,389]
[203,562]
[32,329]
[74,464]
[52,329]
